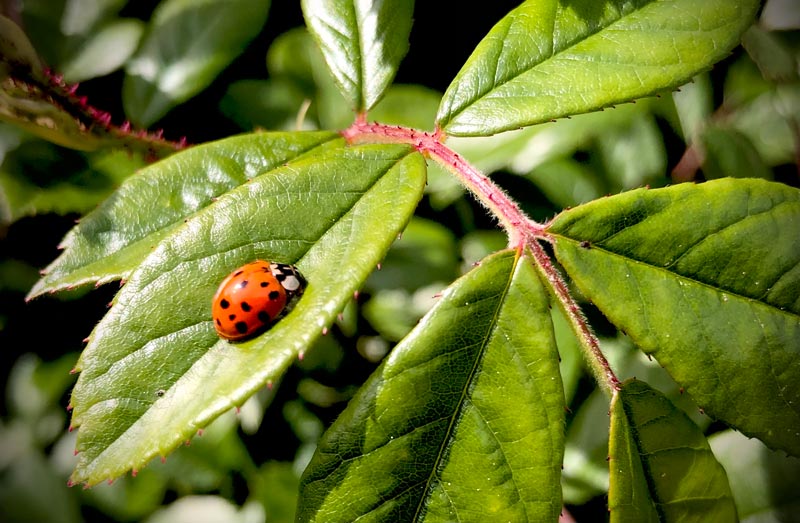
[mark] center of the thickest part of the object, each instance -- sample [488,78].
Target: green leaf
[155,371]
[728,152]
[554,58]
[769,121]
[110,242]
[464,421]
[104,51]
[188,44]
[764,482]
[38,177]
[705,278]
[662,468]
[363,43]
[776,60]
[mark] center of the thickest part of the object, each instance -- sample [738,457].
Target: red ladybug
[253,297]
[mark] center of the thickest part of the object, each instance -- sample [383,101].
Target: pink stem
[521,230]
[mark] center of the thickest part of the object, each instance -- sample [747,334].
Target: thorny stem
[522,231]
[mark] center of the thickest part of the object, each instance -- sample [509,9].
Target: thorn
[187,442]
[437,295]
[355,295]
[75,452]
[324,331]
[379,266]
[69,407]
[199,432]
[681,390]
[238,410]
[270,385]
[85,340]
[340,317]
[71,428]
[110,481]
[163,459]
[125,127]
[70,483]
[43,272]
[134,473]
[300,356]
[86,486]
[74,370]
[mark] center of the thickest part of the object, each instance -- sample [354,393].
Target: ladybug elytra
[253,297]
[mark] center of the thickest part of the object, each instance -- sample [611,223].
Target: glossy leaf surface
[554,58]
[188,44]
[363,43]
[464,421]
[662,468]
[705,278]
[154,371]
[110,242]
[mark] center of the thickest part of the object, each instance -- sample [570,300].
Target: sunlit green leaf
[155,371]
[462,422]
[553,58]
[188,43]
[363,43]
[705,278]
[111,241]
[662,468]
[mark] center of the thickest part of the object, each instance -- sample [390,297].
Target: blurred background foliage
[192,71]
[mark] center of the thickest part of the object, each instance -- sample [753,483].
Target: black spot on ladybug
[218,322]
[224,303]
[241,327]
[237,273]
[265,284]
[242,284]
[231,317]
[245,306]
[263,316]
[274,295]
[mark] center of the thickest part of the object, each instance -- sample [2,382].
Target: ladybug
[253,297]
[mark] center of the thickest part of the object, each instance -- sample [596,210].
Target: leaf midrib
[683,277]
[458,413]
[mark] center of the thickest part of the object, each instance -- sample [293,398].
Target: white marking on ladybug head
[291,283]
